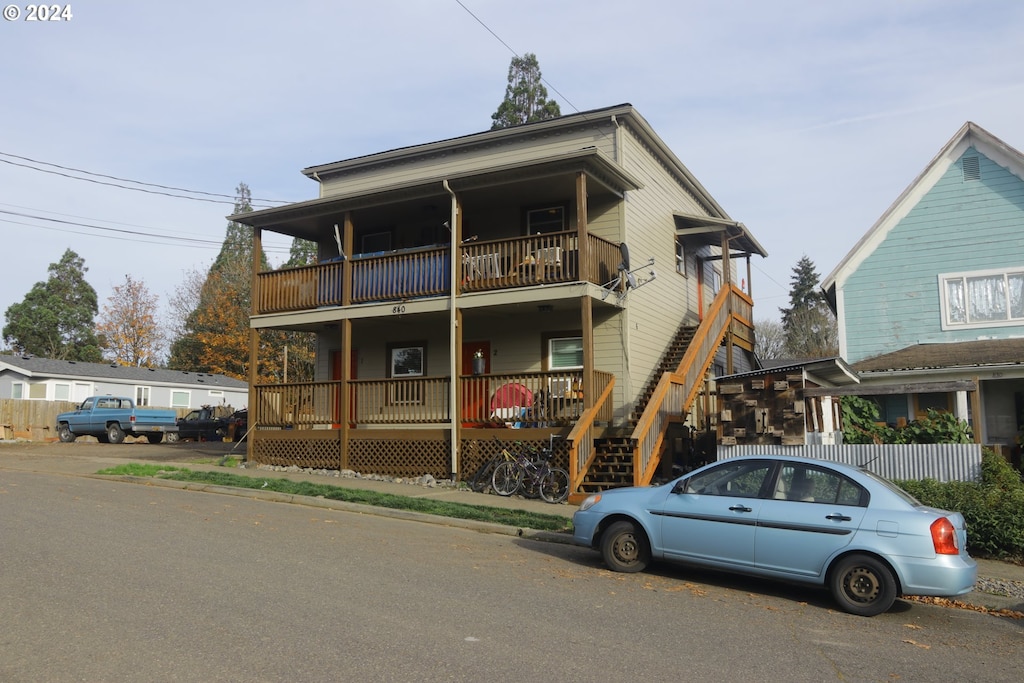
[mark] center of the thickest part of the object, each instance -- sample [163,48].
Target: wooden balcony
[534,399]
[484,266]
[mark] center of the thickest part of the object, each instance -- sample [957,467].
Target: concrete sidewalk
[85,459]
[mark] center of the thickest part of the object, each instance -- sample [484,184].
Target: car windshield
[892,487]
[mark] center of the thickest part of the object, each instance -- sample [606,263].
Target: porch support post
[587,319]
[455,333]
[254,338]
[345,401]
[976,411]
[346,266]
[582,250]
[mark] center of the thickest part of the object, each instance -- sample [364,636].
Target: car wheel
[172,437]
[863,585]
[114,433]
[65,434]
[624,548]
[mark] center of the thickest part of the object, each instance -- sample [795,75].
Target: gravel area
[1012,589]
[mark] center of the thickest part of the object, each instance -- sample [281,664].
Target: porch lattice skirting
[404,453]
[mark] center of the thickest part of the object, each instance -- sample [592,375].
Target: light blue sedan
[795,519]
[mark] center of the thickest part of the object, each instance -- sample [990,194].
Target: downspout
[453,370]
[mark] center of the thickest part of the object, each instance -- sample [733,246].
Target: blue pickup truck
[111,418]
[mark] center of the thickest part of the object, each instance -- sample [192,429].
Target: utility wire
[207,196]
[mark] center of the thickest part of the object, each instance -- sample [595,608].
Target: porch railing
[535,399]
[490,265]
[676,390]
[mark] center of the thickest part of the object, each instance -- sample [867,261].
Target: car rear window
[893,487]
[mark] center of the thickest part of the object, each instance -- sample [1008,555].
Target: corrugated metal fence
[944,462]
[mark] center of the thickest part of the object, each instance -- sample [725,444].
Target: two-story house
[565,277]
[930,302]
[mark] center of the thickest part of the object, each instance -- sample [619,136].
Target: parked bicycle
[532,476]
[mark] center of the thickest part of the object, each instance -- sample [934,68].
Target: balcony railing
[490,265]
[535,399]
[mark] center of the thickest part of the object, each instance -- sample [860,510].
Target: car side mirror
[680,486]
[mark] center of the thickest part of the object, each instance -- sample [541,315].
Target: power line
[509,48]
[228,199]
[166,239]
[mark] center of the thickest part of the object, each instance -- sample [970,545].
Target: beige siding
[478,158]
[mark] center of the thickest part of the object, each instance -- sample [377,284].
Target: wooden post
[346,389]
[582,250]
[254,341]
[587,319]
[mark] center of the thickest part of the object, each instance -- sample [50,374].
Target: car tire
[172,437]
[154,438]
[114,433]
[65,434]
[863,585]
[624,548]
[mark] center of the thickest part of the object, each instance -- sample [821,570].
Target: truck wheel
[64,433]
[114,433]
[154,438]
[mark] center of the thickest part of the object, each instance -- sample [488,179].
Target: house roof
[835,371]
[44,368]
[969,135]
[953,355]
[305,218]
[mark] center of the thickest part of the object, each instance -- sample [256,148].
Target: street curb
[358,508]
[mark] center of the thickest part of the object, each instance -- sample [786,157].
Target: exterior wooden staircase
[632,460]
[613,455]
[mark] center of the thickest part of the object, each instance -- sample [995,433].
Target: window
[813,485]
[376,242]
[680,256]
[181,399]
[716,279]
[216,393]
[982,298]
[18,390]
[741,478]
[142,396]
[544,220]
[565,353]
[37,391]
[61,392]
[406,360]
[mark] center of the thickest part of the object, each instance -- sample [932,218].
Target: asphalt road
[106,580]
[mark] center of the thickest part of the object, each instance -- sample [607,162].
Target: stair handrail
[581,439]
[703,348]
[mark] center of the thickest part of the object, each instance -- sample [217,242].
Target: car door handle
[838,517]
[741,508]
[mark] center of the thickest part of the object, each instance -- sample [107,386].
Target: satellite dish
[624,250]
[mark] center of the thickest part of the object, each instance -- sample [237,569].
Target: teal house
[930,301]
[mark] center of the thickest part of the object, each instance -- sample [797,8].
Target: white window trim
[67,385]
[148,392]
[944,301]
[187,393]
[18,385]
[551,355]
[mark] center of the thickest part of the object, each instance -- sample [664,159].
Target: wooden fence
[34,420]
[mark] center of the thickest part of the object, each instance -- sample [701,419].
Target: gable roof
[948,356]
[969,135]
[44,368]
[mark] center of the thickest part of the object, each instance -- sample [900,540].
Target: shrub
[991,507]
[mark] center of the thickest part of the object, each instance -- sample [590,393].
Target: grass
[480,513]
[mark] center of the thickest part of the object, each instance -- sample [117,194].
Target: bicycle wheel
[506,478]
[483,475]
[554,486]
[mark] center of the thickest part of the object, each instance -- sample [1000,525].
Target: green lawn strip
[481,513]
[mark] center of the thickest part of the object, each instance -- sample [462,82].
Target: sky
[804,119]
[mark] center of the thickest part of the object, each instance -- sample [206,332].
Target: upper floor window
[982,298]
[680,256]
[544,220]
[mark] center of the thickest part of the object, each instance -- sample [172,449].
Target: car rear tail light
[944,537]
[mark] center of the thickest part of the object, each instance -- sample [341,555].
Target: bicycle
[533,477]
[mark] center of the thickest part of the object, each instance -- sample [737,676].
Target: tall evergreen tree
[808,323]
[526,98]
[55,320]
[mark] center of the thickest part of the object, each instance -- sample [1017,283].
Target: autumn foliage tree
[127,329]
